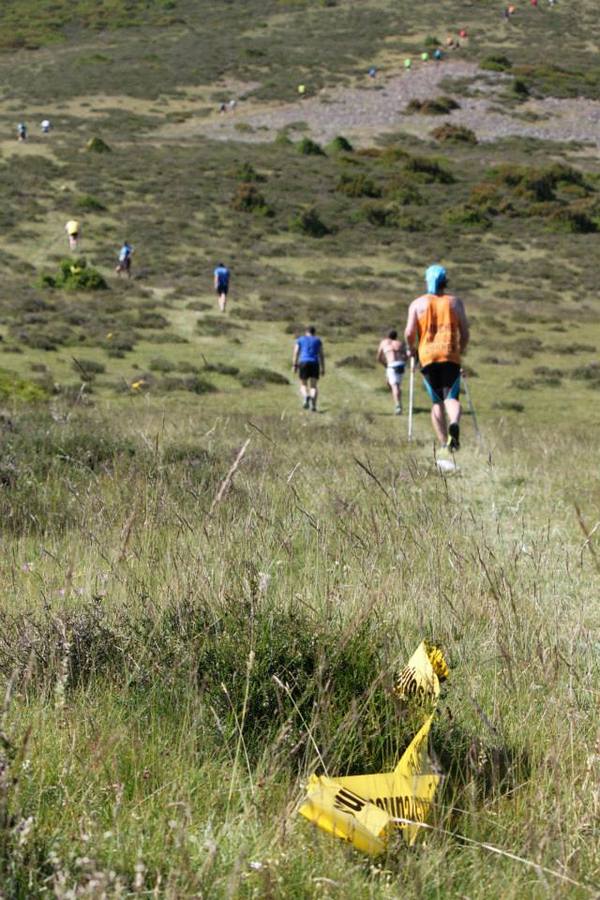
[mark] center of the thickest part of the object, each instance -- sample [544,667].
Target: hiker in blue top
[124,264]
[309,361]
[222,275]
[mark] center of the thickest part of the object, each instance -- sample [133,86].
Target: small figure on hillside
[232,105]
[437,329]
[222,276]
[408,63]
[308,360]
[22,131]
[463,33]
[73,229]
[223,108]
[391,353]
[534,2]
[124,263]
[438,54]
[45,125]
[302,89]
[372,73]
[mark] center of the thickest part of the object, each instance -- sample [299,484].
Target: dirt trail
[378,107]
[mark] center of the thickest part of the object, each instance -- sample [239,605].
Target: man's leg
[314,393]
[304,393]
[453,410]
[222,301]
[438,420]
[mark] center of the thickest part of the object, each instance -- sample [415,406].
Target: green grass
[149,620]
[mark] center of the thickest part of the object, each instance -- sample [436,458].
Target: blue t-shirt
[222,276]
[125,252]
[310,348]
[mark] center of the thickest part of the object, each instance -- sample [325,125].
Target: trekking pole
[411,392]
[471,407]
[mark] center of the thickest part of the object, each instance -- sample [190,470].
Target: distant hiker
[392,354]
[45,125]
[223,108]
[22,131]
[222,276]
[438,54]
[232,105]
[309,361]
[438,329]
[302,89]
[372,73]
[408,63]
[124,263]
[73,230]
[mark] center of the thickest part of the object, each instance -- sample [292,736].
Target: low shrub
[570,221]
[75,275]
[309,147]
[192,383]
[467,216]
[355,362]
[359,185]
[496,62]
[97,145]
[248,198]
[87,369]
[340,145]
[13,388]
[438,106]
[428,170]
[258,377]
[454,134]
[160,364]
[309,222]
[87,203]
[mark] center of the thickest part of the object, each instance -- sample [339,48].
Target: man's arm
[295,356]
[412,328]
[321,360]
[380,358]
[216,281]
[464,325]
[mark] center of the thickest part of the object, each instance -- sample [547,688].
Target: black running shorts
[308,370]
[442,381]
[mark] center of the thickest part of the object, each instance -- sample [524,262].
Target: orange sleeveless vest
[439,331]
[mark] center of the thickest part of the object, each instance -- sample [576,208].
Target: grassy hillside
[176,662]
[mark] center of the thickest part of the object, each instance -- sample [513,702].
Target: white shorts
[394,373]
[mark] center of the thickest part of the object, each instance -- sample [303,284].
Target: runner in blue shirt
[222,275]
[124,263]
[309,361]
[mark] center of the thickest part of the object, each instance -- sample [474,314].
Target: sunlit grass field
[180,649]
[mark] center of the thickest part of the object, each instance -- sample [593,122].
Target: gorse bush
[76,275]
[309,222]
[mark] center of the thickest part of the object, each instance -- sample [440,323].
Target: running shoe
[306,403]
[399,409]
[453,437]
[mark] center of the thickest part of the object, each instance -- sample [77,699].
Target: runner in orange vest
[437,328]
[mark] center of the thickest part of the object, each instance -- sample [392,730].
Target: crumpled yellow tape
[362,809]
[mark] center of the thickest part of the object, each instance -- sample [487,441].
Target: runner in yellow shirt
[73,230]
[437,328]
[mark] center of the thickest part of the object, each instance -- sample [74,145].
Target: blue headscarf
[436,277]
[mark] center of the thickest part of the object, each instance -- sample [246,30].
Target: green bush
[466,216]
[309,147]
[13,388]
[496,62]
[192,383]
[248,198]
[358,185]
[160,364]
[340,145]
[89,204]
[87,369]
[97,145]
[309,222]
[75,275]
[247,173]
[428,170]
[570,221]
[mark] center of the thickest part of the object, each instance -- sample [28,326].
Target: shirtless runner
[392,354]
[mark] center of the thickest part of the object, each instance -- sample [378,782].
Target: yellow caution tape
[363,809]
